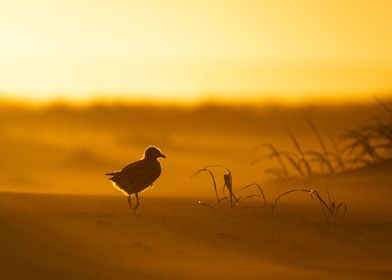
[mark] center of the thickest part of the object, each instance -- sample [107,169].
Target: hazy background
[67,149]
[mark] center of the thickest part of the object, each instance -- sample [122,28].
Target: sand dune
[61,236]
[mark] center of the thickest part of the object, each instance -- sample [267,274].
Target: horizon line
[277,99]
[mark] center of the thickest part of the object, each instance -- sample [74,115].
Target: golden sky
[192,49]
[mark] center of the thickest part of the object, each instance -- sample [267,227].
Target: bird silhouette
[138,175]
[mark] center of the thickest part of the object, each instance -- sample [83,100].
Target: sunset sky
[189,50]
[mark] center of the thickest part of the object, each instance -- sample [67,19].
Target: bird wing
[137,165]
[132,177]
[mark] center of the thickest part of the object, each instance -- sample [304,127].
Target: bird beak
[162,155]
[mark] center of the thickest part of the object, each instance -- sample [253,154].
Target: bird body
[138,175]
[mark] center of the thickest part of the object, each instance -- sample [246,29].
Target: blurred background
[86,85]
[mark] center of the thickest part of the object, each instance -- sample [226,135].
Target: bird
[139,175]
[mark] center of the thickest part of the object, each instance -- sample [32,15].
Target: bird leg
[130,201]
[137,202]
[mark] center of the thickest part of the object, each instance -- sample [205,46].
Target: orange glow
[192,50]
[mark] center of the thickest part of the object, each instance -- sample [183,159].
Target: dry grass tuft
[365,145]
[334,212]
[227,184]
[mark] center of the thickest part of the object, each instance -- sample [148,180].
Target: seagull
[138,175]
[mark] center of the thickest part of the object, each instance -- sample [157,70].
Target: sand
[85,230]
[79,237]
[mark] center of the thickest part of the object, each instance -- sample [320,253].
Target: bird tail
[111,174]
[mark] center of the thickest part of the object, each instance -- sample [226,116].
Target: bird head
[153,153]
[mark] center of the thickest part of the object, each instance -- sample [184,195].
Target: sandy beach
[79,237]
[61,218]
